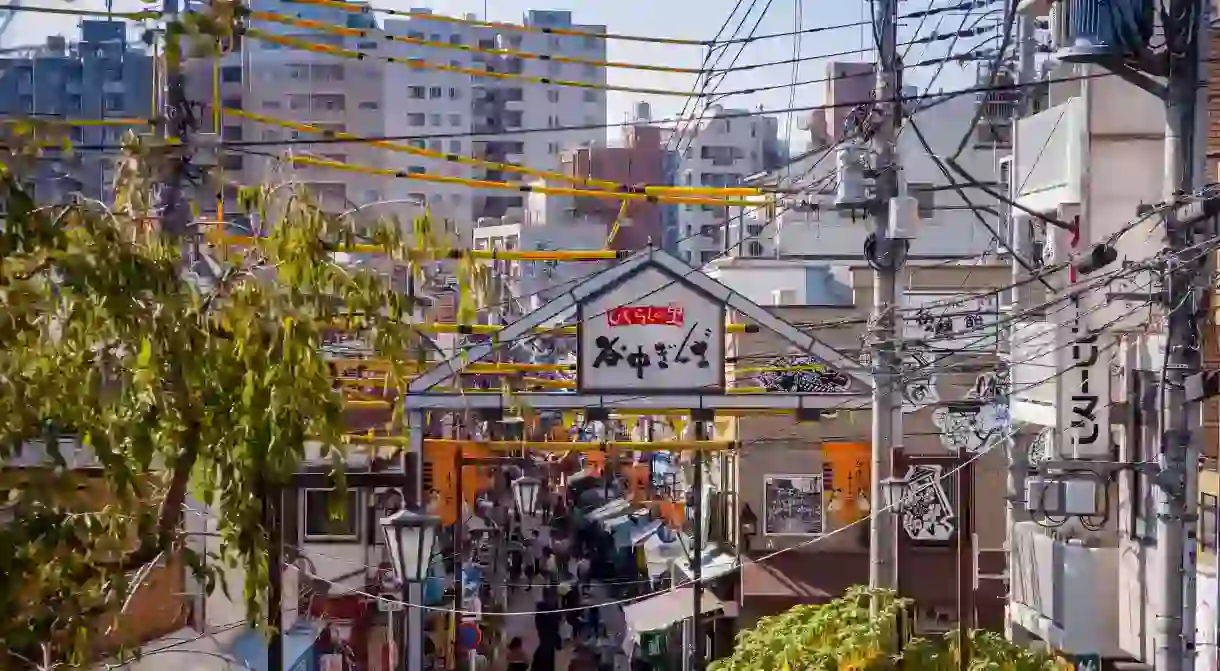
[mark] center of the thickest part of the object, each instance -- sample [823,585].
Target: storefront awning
[661,555]
[716,562]
[251,649]
[667,609]
[183,650]
[609,510]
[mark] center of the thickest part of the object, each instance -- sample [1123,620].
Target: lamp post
[410,538]
[525,494]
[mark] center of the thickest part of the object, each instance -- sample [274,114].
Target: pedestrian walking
[518,659]
[533,559]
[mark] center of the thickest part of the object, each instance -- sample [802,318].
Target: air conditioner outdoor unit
[1087,31]
[1062,496]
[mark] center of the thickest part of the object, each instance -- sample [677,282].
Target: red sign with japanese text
[646,315]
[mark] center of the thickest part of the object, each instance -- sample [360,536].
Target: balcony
[1065,593]
[1049,156]
[1102,144]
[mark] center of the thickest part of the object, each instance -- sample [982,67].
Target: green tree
[843,634]
[177,384]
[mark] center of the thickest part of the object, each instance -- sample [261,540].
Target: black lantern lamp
[897,493]
[525,494]
[411,539]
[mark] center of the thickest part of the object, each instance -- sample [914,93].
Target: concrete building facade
[720,148]
[98,75]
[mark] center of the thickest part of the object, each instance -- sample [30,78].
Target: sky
[687,19]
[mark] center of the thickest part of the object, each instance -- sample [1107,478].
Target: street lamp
[896,493]
[525,494]
[411,539]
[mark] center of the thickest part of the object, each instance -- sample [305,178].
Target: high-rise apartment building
[480,116]
[100,75]
[343,95]
[720,149]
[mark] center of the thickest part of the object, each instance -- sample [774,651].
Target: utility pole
[173,209]
[1021,235]
[1186,302]
[887,262]
[696,562]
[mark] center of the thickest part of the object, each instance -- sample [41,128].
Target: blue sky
[691,19]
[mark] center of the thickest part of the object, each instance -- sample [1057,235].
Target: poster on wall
[849,467]
[793,505]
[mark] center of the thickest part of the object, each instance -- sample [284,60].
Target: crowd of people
[562,567]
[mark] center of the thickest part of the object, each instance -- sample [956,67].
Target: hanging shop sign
[1085,393]
[951,322]
[651,332]
[919,382]
[980,421]
[849,467]
[927,514]
[803,375]
[793,505]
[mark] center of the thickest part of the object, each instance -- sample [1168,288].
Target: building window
[754,248]
[417,92]
[369,105]
[552,95]
[434,119]
[590,96]
[230,74]
[435,92]
[418,144]
[454,94]
[590,71]
[435,37]
[455,146]
[231,133]
[926,196]
[318,523]
[415,119]
[1207,522]
[369,46]
[455,119]
[114,103]
[455,39]
[434,145]
[416,169]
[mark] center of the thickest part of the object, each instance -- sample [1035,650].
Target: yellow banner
[850,468]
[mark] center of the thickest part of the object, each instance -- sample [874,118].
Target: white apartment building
[721,149]
[422,102]
[303,86]
[807,231]
[548,223]
[454,106]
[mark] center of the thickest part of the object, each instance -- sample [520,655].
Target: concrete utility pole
[1186,301]
[887,263]
[1022,243]
[179,120]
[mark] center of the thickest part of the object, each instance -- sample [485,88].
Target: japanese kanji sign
[951,322]
[651,332]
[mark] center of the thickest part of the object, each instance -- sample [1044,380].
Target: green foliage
[845,634]
[177,386]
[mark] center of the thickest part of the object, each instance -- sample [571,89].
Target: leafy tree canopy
[844,635]
[176,381]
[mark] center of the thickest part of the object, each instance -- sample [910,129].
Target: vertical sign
[1084,388]
[652,332]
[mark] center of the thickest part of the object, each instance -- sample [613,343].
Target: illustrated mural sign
[952,322]
[850,468]
[1042,447]
[651,333]
[927,514]
[793,505]
[972,427]
[919,383]
[805,375]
